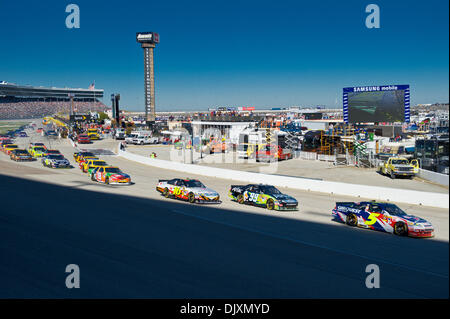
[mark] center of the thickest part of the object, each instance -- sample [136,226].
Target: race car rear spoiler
[162,180]
[348,204]
[237,188]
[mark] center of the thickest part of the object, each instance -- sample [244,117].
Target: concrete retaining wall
[431,176]
[354,190]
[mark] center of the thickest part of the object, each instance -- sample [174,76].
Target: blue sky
[230,53]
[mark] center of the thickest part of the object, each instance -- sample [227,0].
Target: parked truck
[129,139]
[120,134]
[399,166]
[272,153]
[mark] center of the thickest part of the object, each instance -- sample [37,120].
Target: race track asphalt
[129,242]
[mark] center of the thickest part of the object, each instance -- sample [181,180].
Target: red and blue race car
[385,217]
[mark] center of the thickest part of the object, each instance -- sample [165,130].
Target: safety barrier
[326,158]
[72,143]
[337,188]
[434,177]
[308,155]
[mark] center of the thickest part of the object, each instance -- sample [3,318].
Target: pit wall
[353,190]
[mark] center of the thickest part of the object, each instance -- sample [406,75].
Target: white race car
[191,190]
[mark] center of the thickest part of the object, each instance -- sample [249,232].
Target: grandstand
[21,102]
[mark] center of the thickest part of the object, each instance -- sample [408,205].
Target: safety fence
[306,155]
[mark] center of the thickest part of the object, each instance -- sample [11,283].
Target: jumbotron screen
[387,103]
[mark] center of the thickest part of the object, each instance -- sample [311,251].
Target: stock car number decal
[372,218]
[252,197]
[177,191]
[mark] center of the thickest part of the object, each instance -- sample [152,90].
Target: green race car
[37,151]
[260,195]
[109,175]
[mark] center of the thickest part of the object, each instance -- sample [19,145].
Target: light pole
[71,115]
[113,107]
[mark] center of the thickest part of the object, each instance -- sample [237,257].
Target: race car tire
[240,199]
[166,193]
[351,220]
[392,175]
[93,178]
[270,204]
[191,198]
[400,229]
[107,181]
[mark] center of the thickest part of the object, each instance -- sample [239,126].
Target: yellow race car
[79,156]
[37,151]
[84,159]
[93,163]
[8,148]
[20,155]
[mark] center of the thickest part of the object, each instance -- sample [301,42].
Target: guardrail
[337,188]
[307,155]
[326,158]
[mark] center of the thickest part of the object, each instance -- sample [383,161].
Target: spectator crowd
[25,108]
